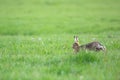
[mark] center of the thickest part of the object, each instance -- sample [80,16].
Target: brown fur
[95,46]
[76,46]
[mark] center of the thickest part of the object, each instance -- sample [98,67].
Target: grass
[36,38]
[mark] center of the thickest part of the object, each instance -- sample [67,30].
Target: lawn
[36,38]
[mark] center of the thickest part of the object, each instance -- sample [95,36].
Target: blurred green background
[34,17]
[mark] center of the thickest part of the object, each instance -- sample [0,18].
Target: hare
[95,46]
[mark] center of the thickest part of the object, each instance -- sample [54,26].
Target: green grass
[36,38]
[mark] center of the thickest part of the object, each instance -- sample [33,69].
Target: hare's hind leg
[101,48]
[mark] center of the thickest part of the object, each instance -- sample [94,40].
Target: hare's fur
[96,46]
[76,46]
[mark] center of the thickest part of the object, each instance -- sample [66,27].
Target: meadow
[36,38]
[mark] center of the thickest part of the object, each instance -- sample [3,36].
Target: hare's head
[76,44]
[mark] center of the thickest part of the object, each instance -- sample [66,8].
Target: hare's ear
[76,38]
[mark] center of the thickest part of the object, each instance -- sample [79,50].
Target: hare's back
[93,45]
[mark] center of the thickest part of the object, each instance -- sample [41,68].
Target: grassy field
[36,38]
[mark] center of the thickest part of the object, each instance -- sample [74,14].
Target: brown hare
[95,46]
